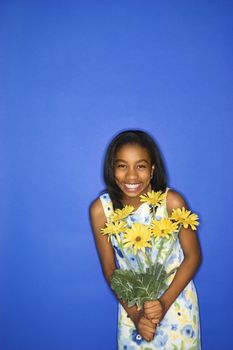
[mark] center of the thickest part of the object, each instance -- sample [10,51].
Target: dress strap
[167,189]
[165,201]
[107,204]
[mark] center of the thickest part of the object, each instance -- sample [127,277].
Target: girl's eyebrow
[139,161]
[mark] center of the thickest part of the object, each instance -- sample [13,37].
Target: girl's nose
[131,173]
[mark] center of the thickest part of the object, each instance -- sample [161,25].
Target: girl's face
[133,170]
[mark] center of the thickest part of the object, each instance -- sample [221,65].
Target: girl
[133,166]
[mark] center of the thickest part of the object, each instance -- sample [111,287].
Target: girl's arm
[192,257]
[106,255]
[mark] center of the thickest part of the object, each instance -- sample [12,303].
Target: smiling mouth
[132,186]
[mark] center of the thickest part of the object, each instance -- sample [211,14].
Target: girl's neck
[135,202]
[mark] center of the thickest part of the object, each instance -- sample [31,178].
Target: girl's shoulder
[97,217]
[96,208]
[102,206]
[174,200]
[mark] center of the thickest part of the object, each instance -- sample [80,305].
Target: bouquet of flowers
[143,284]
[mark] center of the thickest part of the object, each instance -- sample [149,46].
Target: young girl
[133,167]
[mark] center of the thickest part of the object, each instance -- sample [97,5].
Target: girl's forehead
[132,150]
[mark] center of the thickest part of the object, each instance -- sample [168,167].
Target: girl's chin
[131,195]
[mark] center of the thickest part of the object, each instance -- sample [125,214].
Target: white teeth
[132,186]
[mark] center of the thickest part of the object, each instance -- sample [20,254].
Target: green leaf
[137,288]
[122,283]
[175,347]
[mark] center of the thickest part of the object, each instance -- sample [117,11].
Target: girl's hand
[145,327]
[154,311]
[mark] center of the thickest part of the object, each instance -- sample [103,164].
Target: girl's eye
[122,166]
[141,166]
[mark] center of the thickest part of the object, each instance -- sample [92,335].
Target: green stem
[140,266]
[163,265]
[170,250]
[126,258]
[174,238]
[158,254]
[149,262]
[157,291]
[153,212]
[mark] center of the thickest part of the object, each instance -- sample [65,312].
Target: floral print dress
[180,327]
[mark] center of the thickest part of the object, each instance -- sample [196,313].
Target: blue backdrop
[73,74]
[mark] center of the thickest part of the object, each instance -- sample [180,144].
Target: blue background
[73,74]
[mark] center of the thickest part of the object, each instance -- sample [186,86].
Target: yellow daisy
[114,228]
[120,214]
[138,236]
[184,217]
[163,227]
[153,198]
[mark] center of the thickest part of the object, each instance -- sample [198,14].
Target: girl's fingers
[149,328]
[148,304]
[155,321]
[156,308]
[151,315]
[152,311]
[153,303]
[148,325]
[153,307]
[148,338]
[147,335]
